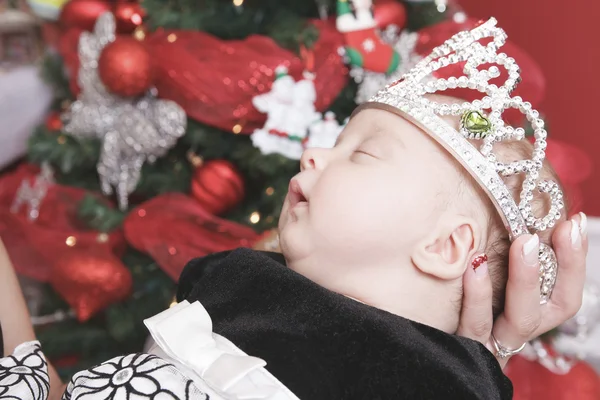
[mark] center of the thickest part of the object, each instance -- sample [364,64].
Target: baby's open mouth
[297,197]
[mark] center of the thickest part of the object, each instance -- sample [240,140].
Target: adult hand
[524,318]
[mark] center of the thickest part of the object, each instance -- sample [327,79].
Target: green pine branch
[423,14]
[74,159]
[98,214]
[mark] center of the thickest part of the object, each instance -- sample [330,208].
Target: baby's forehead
[374,121]
[383,120]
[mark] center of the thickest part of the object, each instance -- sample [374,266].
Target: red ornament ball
[388,12]
[90,281]
[125,67]
[82,14]
[129,16]
[218,186]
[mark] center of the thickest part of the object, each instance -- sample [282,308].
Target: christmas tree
[174,132]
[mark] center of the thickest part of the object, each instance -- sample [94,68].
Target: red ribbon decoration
[35,246]
[215,80]
[173,229]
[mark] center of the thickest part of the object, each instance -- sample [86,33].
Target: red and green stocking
[366,50]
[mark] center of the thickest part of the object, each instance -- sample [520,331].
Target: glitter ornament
[133,130]
[125,67]
[90,281]
[218,186]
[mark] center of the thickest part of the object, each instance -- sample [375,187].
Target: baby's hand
[524,318]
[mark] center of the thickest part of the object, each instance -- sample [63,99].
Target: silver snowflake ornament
[133,130]
[33,194]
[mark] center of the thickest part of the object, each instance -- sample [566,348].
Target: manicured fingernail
[575,234]
[479,260]
[531,250]
[583,224]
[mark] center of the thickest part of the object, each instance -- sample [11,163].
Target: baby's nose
[314,158]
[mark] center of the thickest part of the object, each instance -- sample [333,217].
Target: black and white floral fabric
[136,376]
[24,374]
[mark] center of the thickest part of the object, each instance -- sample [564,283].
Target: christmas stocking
[364,48]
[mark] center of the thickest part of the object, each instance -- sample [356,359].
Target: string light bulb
[139,33]
[255,217]
[71,241]
[238,3]
[441,5]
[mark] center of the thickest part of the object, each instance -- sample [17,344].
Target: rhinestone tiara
[481,121]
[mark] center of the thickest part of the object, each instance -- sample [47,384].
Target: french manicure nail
[531,250]
[575,234]
[583,224]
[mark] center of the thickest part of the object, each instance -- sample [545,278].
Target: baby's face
[366,202]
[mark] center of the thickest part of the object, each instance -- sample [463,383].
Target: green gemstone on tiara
[475,123]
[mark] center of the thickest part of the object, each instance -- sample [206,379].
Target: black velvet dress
[322,345]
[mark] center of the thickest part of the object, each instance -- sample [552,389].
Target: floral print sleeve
[24,374]
[135,376]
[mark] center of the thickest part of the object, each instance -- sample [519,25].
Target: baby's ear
[448,249]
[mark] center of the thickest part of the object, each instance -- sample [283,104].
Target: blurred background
[137,135]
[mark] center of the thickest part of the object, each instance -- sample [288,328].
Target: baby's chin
[293,242]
